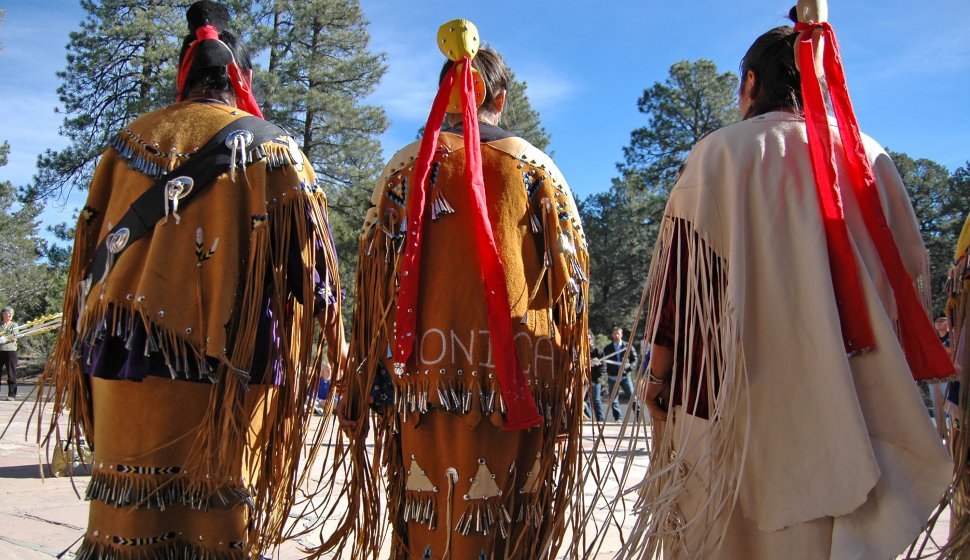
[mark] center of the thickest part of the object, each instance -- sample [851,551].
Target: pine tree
[623,223]
[119,64]
[318,73]
[521,119]
[620,225]
[940,202]
[25,283]
[694,100]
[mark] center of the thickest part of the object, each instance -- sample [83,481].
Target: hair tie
[206,32]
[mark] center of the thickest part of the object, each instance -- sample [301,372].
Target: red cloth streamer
[244,94]
[240,84]
[927,358]
[521,411]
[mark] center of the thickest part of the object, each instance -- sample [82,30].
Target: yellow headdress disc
[457,39]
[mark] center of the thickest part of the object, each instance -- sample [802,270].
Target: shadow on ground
[33,471]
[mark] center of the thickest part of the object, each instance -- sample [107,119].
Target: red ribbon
[240,84]
[925,354]
[521,411]
[245,99]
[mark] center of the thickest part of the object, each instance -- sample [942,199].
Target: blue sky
[586,64]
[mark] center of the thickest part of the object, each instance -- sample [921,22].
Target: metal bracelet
[655,380]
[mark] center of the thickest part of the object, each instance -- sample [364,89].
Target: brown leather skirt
[141,507]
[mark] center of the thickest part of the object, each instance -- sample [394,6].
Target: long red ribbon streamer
[521,411]
[854,319]
[925,354]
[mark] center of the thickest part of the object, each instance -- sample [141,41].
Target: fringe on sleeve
[957,497]
[688,308]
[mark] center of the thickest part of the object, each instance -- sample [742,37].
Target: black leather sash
[197,173]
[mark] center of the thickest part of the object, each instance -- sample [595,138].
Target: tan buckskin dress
[189,367]
[458,486]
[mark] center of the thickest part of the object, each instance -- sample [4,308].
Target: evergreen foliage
[941,204]
[620,229]
[622,223]
[521,119]
[694,100]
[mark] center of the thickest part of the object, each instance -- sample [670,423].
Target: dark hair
[208,71]
[493,70]
[771,58]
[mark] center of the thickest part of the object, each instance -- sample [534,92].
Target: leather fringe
[157,491]
[957,497]
[298,218]
[168,549]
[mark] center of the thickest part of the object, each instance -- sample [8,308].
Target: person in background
[942,326]
[617,371]
[8,350]
[323,390]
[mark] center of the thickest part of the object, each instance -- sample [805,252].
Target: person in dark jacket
[617,370]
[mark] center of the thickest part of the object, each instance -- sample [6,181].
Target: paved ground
[42,516]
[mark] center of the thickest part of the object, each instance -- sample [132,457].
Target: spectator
[617,371]
[8,350]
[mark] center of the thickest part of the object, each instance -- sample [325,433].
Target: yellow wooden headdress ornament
[457,39]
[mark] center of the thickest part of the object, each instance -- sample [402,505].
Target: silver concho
[295,153]
[240,138]
[118,240]
[178,187]
[566,244]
